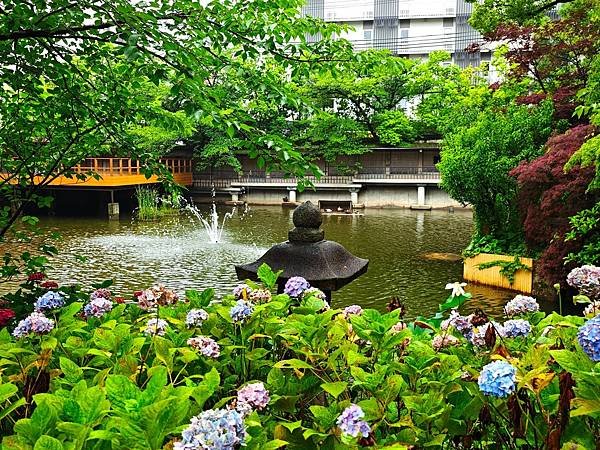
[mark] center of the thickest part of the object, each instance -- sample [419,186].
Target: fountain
[212,226]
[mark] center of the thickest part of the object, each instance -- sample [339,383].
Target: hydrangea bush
[161,369]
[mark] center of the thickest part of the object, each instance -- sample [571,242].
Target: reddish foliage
[49,285]
[563,99]
[552,51]
[548,197]
[36,276]
[556,55]
[6,315]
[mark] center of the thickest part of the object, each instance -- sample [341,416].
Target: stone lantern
[326,265]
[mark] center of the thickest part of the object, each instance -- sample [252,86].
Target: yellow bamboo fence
[491,276]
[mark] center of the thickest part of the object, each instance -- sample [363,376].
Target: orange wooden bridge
[119,172]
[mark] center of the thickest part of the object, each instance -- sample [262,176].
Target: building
[384,177]
[409,28]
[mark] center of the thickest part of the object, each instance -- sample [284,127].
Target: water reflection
[177,252]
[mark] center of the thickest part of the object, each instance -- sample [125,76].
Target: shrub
[296,374]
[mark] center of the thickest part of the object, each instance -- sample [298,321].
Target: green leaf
[274,444]
[291,426]
[335,388]
[292,364]
[7,390]
[48,443]
[207,387]
[267,276]
[73,373]
[199,299]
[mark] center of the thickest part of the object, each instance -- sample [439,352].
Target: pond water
[412,253]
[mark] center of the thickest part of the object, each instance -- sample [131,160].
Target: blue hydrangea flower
[498,379]
[36,323]
[521,304]
[214,429]
[241,291]
[205,345]
[97,307]
[252,396]
[351,423]
[589,338]
[295,286]
[195,318]
[50,300]
[517,327]
[241,311]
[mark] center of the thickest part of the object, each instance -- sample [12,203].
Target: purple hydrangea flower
[352,310]
[462,324]
[586,279]
[241,291]
[589,338]
[205,345]
[36,323]
[295,286]
[498,379]
[156,326]
[517,327]
[442,341]
[314,292]
[241,311]
[215,429]
[102,293]
[351,423]
[97,307]
[252,396]
[477,335]
[195,318]
[50,300]
[592,310]
[521,304]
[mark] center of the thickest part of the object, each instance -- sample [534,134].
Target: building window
[448,22]
[403,37]
[404,23]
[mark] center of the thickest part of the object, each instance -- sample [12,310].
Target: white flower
[457,288]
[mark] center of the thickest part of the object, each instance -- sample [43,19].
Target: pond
[413,254]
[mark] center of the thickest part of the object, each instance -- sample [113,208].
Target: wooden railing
[115,172]
[128,166]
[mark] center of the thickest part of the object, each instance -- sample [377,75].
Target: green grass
[153,207]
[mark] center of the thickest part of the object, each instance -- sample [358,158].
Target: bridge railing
[128,166]
[223,178]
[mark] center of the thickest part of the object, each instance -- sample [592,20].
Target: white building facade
[409,28]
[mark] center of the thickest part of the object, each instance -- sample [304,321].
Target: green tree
[488,15]
[75,81]
[488,141]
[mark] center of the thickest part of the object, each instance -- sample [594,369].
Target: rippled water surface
[176,252]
